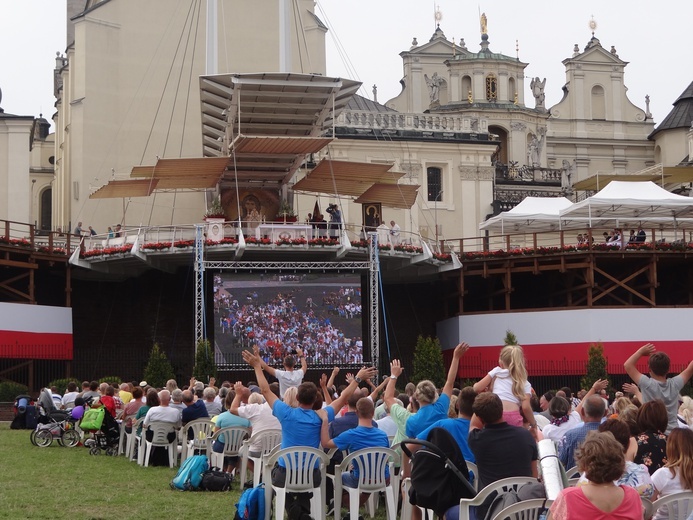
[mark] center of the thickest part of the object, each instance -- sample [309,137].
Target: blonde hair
[291,397]
[513,359]
[680,456]
[686,410]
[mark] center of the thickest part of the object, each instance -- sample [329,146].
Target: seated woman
[652,441]
[634,475]
[677,474]
[601,459]
[563,419]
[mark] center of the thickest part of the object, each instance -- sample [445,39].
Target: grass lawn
[68,483]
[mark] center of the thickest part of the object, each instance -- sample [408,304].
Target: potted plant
[215,218]
[286,212]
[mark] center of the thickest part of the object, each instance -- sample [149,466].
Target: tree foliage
[158,369]
[428,361]
[510,338]
[205,367]
[596,366]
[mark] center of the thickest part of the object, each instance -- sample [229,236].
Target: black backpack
[439,474]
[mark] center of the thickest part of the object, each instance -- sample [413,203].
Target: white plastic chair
[506,484]
[300,462]
[371,464]
[123,436]
[233,437]
[160,432]
[572,472]
[526,510]
[679,505]
[475,470]
[132,439]
[269,439]
[202,431]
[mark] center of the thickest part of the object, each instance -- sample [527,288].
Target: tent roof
[401,196]
[627,202]
[346,177]
[533,214]
[125,188]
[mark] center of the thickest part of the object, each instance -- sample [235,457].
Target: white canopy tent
[629,203]
[533,214]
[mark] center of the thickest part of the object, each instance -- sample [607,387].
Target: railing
[513,173]
[410,121]
[518,243]
[25,235]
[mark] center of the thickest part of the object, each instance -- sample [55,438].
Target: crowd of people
[635,444]
[280,324]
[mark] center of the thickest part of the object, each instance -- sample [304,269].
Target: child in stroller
[53,424]
[106,434]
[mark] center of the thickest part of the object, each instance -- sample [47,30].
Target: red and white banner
[35,332]
[557,342]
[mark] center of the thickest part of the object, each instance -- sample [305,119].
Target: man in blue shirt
[592,412]
[365,435]
[300,426]
[458,428]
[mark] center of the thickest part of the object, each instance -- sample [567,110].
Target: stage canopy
[630,204]
[533,215]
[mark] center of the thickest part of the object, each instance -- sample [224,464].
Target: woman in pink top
[601,458]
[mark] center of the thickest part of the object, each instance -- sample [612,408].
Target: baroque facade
[461,127]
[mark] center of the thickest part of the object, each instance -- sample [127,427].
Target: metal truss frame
[372,266]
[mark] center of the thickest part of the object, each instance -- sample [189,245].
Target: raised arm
[631,388]
[325,440]
[395,371]
[302,357]
[333,375]
[239,389]
[454,367]
[363,374]
[686,373]
[629,365]
[377,389]
[264,366]
[598,386]
[327,398]
[254,361]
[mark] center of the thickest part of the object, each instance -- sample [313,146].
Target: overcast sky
[654,38]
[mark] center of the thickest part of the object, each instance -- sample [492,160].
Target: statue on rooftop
[484,24]
[537,87]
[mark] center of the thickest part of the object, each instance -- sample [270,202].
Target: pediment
[598,54]
[438,45]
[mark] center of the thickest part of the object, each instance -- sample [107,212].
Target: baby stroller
[105,429]
[53,424]
[439,474]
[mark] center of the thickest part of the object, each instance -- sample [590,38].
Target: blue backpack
[189,475]
[251,505]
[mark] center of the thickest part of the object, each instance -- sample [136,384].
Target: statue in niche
[433,83]
[537,87]
[533,151]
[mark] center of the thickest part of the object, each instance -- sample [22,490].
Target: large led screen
[279,312]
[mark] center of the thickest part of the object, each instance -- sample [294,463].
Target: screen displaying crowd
[320,314]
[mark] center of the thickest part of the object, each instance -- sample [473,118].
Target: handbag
[216,480]
[93,418]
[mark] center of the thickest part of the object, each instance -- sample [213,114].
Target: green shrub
[158,369]
[205,367]
[110,379]
[9,391]
[596,366]
[428,361]
[61,384]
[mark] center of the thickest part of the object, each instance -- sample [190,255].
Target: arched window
[491,88]
[511,90]
[45,210]
[598,103]
[466,85]
[434,181]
